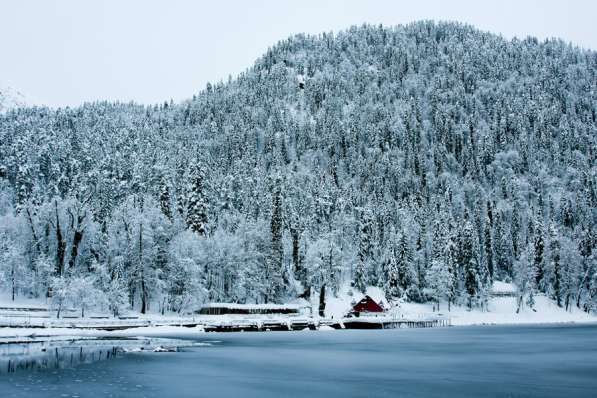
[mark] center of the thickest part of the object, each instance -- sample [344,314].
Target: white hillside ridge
[10,99]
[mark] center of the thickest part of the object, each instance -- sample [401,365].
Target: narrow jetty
[373,323]
[315,324]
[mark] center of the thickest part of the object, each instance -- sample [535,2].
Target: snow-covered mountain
[10,99]
[427,159]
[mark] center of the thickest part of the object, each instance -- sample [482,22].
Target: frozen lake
[500,361]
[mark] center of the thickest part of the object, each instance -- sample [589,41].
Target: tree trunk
[13,282]
[567,301]
[75,248]
[581,286]
[77,238]
[60,244]
[322,301]
[132,292]
[143,285]
[33,234]
[143,297]
[296,260]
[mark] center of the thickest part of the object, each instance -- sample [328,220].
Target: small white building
[503,289]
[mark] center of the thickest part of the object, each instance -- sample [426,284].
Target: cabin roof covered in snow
[376,294]
[367,304]
[503,287]
[268,306]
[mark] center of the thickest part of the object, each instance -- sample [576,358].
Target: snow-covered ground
[337,307]
[501,310]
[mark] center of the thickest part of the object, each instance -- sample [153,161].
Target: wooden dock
[314,324]
[262,325]
[372,323]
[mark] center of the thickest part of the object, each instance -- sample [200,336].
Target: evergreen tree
[468,260]
[196,201]
[524,278]
[503,247]
[365,252]
[165,200]
[360,276]
[555,266]
[275,266]
[515,230]
[538,259]
[488,246]
[440,281]
[392,279]
[404,260]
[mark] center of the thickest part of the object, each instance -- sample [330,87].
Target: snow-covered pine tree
[362,267]
[539,257]
[439,280]
[165,199]
[555,265]
[467,259]
[488,241]
[407,276]
[502,246]
[276,274]
[196,217]
[440,277]
[524,278]
[392,278]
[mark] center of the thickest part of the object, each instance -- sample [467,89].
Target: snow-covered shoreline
[24,335]
[459,317]
[501,310]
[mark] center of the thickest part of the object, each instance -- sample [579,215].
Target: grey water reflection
[55,353]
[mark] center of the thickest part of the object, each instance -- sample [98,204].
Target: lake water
[490,361]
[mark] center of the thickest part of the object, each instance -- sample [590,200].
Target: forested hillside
[427,159]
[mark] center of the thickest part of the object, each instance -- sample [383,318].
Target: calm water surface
[537,361]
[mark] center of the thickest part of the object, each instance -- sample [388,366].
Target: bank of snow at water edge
[501,310]
[33,319]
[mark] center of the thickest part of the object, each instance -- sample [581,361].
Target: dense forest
[428,159]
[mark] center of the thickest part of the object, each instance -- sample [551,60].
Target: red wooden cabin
[366,305]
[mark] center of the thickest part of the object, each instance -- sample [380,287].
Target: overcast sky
[65,52]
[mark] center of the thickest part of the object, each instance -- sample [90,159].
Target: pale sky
[65,52]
